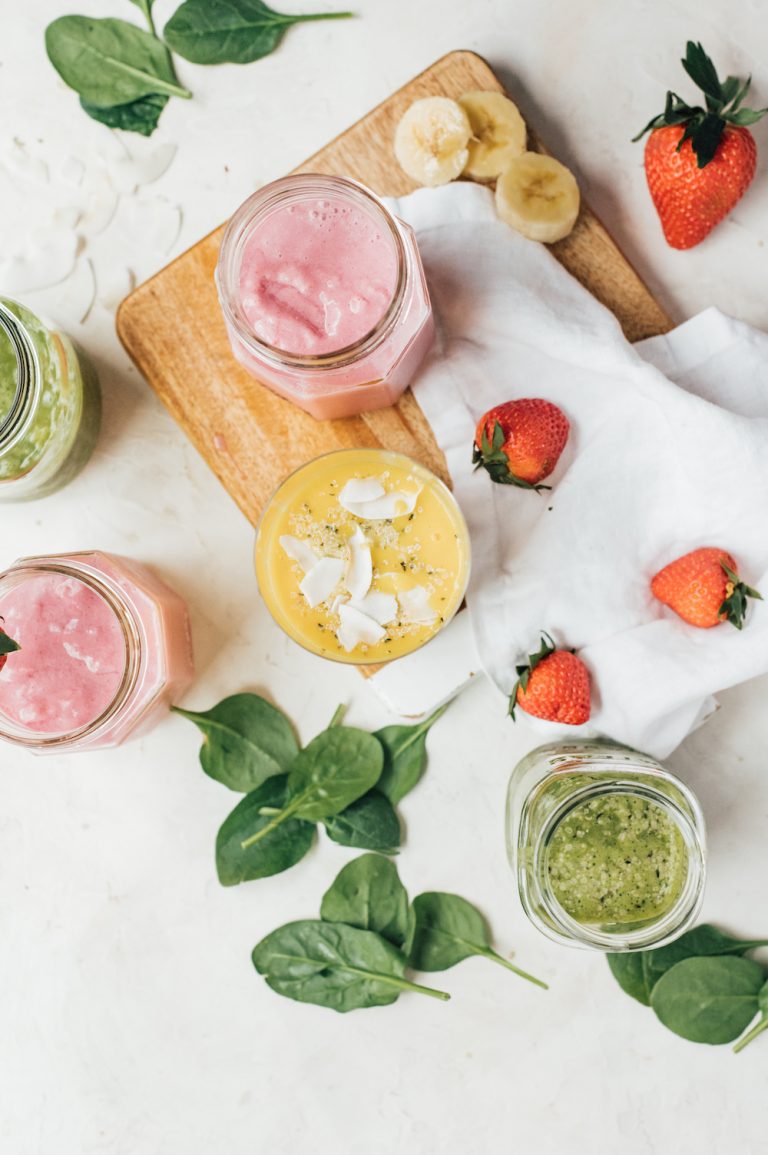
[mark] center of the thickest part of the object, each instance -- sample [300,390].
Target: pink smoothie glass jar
[105,647]
[324,296]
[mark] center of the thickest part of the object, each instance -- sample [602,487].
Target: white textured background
[131,1022]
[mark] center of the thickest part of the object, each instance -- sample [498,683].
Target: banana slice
[538,197]
[431,140]
[498,133]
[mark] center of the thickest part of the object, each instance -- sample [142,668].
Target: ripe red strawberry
[520,442]
[704,589]
[7,646]
[553,684]
[699,161]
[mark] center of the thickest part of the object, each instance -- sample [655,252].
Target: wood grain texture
[172,328]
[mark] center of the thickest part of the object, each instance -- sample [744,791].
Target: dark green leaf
[370,823]
[703,73]
[708,1000]
[246,741]
[746,116]
[138,116]
[729,88]
[335,769]
[334,966]
[449,929]
[7,645]
[238,31]
[405,756]
[705,138]
[279,850]
[110,62]
[700,941]
[629,970]
[368,894]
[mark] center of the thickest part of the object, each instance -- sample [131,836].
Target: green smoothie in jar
[50,406]
[607,845]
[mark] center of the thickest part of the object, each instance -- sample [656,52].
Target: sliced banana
[431,140]
[538,197]
[498,133]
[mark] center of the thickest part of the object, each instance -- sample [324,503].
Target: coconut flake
[299,551]
[360,566]
[357,628]
[415,607]
[322,579]
[379,606]
[366,498]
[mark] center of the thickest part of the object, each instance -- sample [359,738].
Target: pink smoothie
[72,655]
[317,275]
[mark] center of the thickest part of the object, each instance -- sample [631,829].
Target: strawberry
[7,646]
[699,162]
[704,589]
[553,684]
[520,442]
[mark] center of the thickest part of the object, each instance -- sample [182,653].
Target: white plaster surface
[131,1021]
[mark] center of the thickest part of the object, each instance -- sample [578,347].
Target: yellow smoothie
[362,555]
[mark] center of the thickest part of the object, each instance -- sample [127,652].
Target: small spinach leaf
[700,941]
[109,61]
[405,756]
[140,115]
[370,823]
[283,848]
[238,31]
[247,740]
[629,970]
[368,894]
[762,1025]
[449,929]
[334,966]
[335,769]
[708,1000]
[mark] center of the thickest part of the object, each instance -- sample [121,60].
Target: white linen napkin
[668,451]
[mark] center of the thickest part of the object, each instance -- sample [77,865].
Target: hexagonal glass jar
[105,648]
[373,370]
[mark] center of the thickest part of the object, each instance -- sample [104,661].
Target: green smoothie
[617,859]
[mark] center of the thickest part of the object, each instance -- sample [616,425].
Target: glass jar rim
[239,229]
[15,422]
[456,509]
[653,932]
[110,593]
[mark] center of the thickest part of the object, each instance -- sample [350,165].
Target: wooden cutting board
[172,326]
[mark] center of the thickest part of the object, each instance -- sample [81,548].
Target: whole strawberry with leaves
[520,442]
[7,646]
[700,160]
[703,587]
[553,684]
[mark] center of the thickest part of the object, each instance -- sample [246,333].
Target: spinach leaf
[370,823]
[700,941]
[247,740]
[449,929]
[630,971]
[405,756]
[762,1025]
[368,893]
[283,848]
[334,770]
[334,966]
[708,1000]
[110,62]
[238,31]
[140,115]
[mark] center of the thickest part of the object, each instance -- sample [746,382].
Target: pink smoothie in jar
[324,295]
[105,648]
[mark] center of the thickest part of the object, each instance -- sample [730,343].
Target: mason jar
[105,648]
[324,295]
[50,406]
[607,845]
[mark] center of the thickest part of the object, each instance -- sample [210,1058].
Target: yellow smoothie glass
[362,556]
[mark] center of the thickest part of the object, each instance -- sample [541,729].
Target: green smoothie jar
[607,845]
[50,406]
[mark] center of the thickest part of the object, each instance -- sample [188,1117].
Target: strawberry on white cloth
[668,451]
